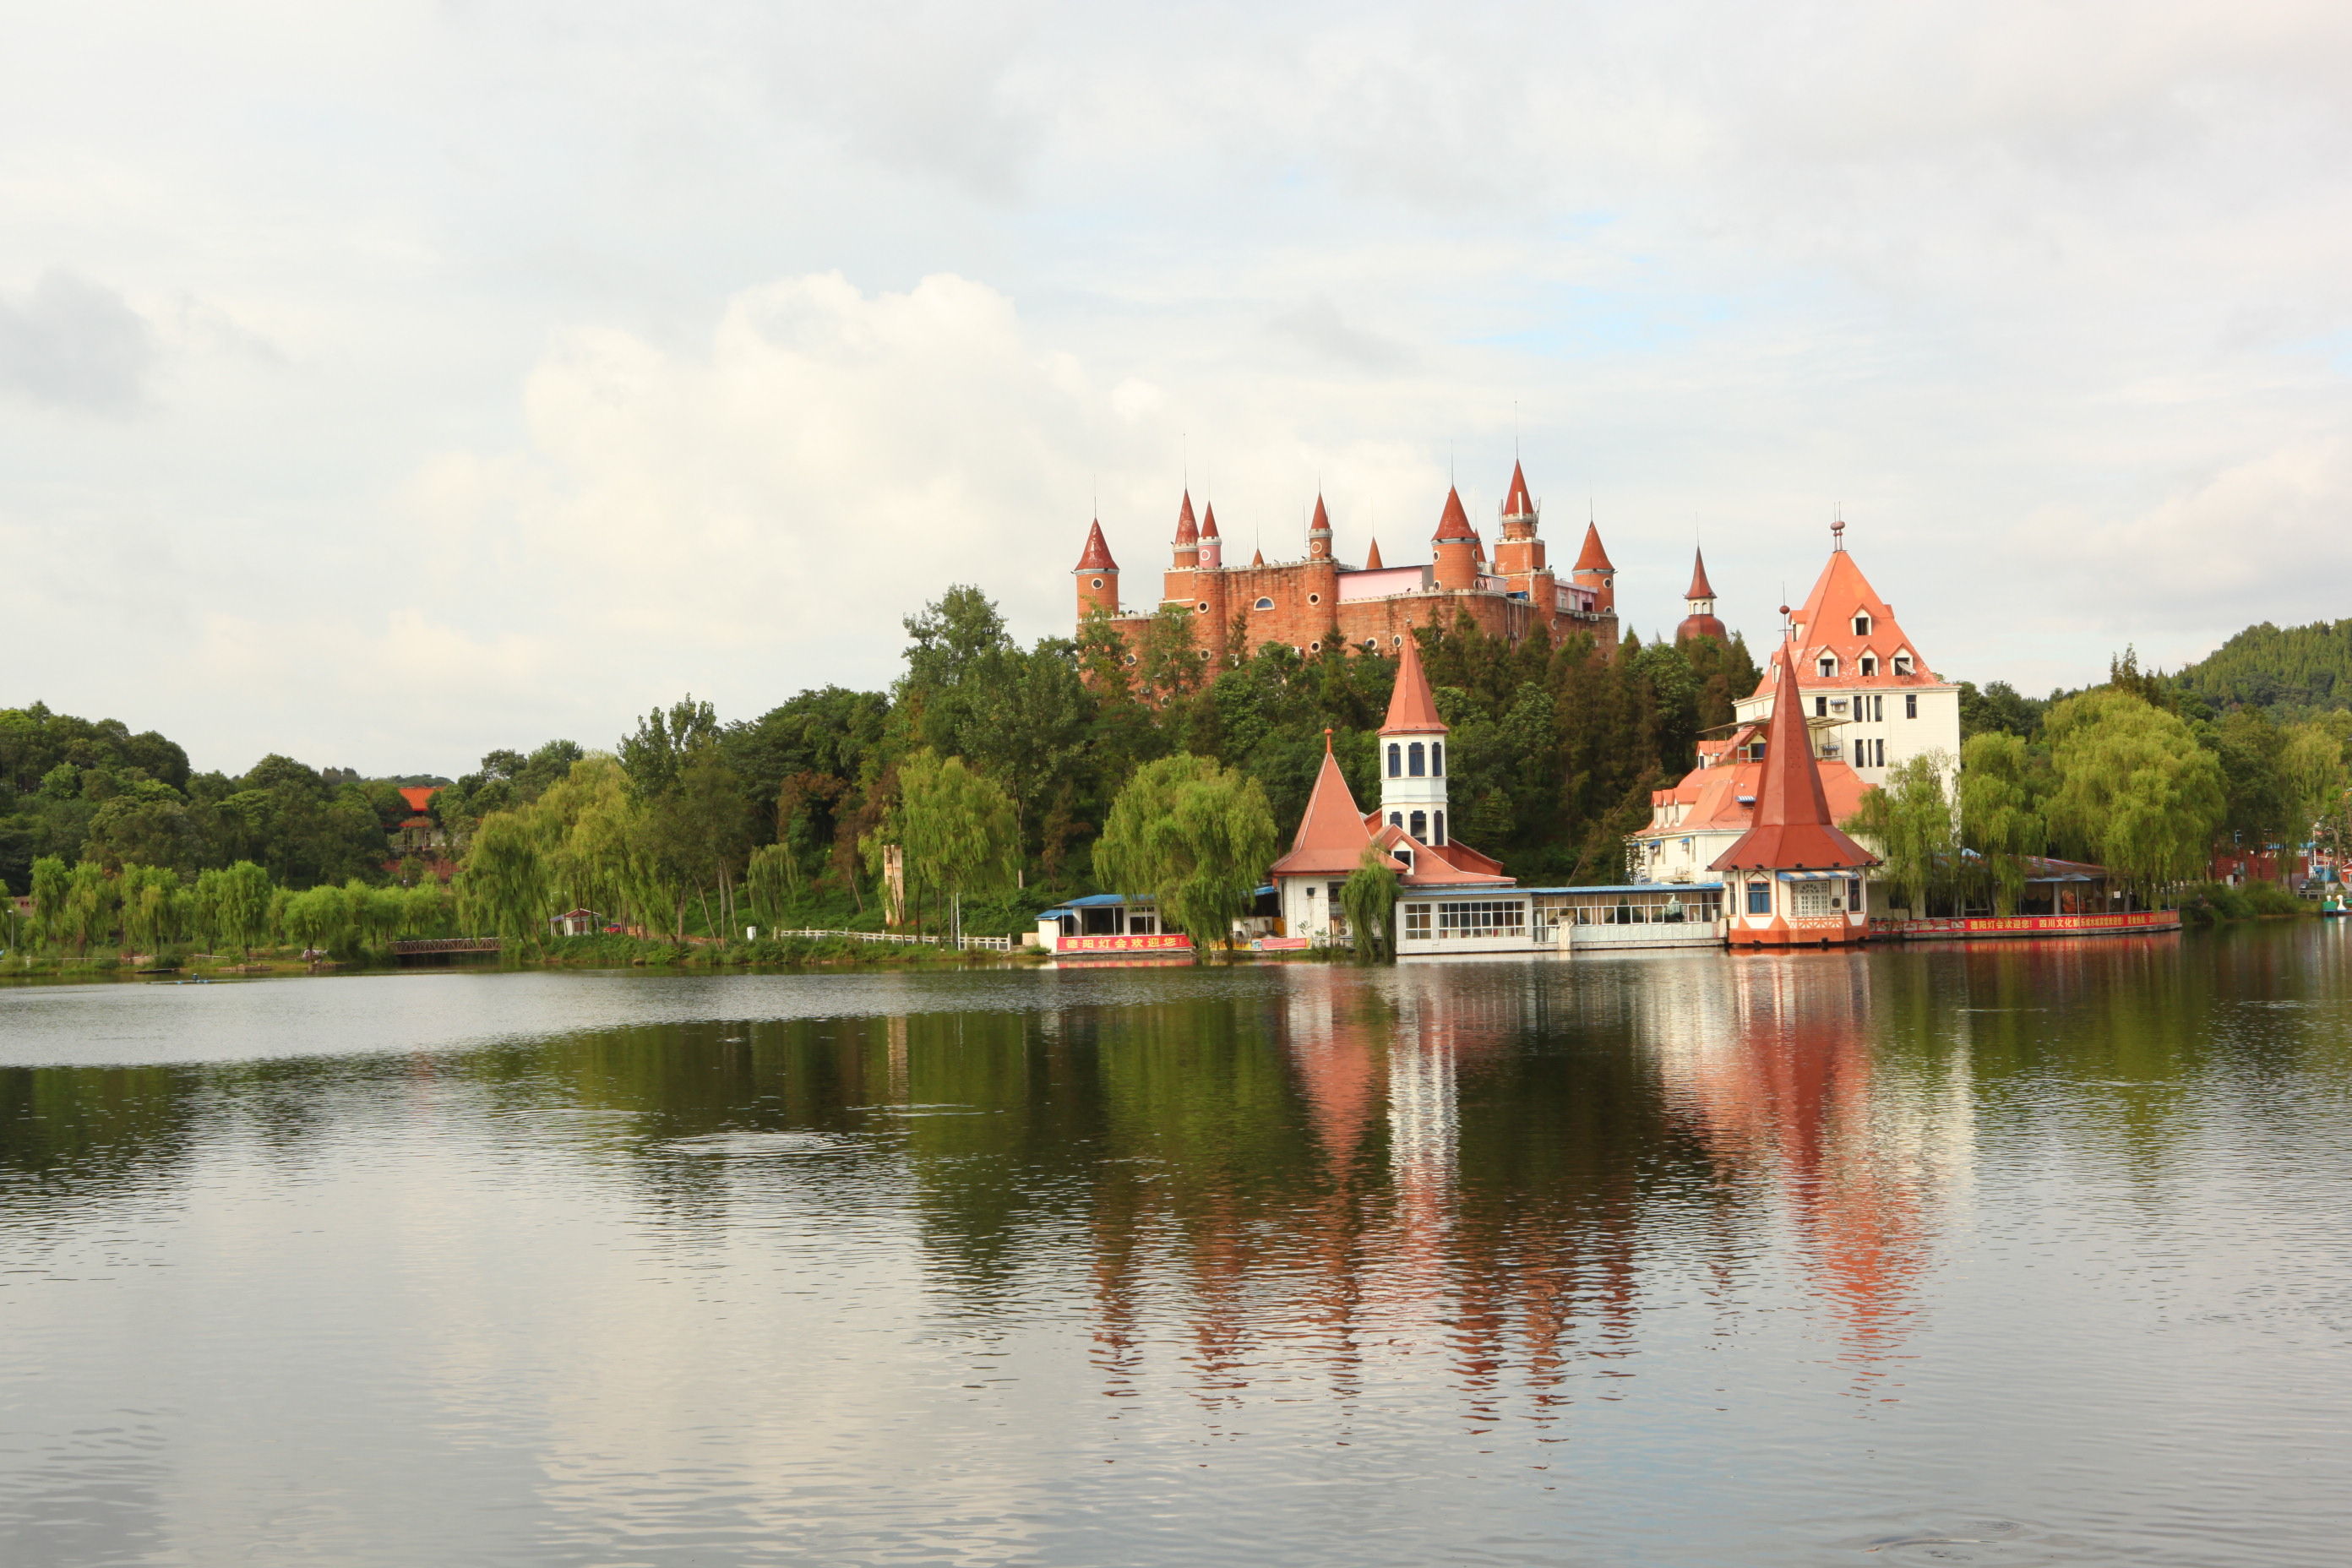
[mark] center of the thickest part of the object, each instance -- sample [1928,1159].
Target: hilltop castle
[1304,603]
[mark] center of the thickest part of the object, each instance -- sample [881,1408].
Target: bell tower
[1412,754]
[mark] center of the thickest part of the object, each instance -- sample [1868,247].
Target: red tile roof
[1592,558]
[1207,519]
[419,796]
[1098,555]
[1411,709]
[1516,501]
[1452,865]
[1453,523]
[1825,626]
[1372,556]
[1187,531]
[1322,523]
[1331,836]
[1700,587]
[1793,830]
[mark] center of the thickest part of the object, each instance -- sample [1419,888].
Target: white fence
[971,943]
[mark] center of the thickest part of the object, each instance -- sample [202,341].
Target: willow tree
[506,886]
[1908,819]
[1369,897]
[232,906]
[2313,768]
[1197,838]
[150,897]
[958,828]
[2135,791]
[2000,816]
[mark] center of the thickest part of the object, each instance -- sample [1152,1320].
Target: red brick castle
[1307,603]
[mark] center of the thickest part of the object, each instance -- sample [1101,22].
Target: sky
[383,383]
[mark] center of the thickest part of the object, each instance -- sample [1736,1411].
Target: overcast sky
[382,383]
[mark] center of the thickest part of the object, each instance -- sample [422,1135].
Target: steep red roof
[1592,558]
[1258,559]
[1187,531]
[1517,502]
[1793,830]
[419,796]
[1098,555]
[1453,523]
[1207,519]
[1410,706]
[1372,556]
[1700,587]
[1825,626]
[1710,796]
[1452,865]
[1322,523]
[1331,837]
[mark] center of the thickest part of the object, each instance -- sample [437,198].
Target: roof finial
[1837,528]
[1326,740]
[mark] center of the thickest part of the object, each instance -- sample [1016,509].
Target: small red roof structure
[1322,523]
[419,796]
[1453,523]
[1844,621]
[1517,502]
[1700,587]
[1373,557]
[1592,558]
[1793,829]
[1098,555]
[1700,623]
[1258,558]
[1187,531]
[1331,836]
[1208,519]
[1411,709]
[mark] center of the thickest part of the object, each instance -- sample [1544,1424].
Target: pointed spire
[1412,707]
[1258,559]
[1517,502]
[1592,558]
[1187,531]
[1322,523]
[1331,836]
[1209,522]
[1700,587]
[1452,522]
[1098,555]
[1793,829]
[1372,556]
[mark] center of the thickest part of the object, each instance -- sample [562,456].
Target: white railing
[971,943]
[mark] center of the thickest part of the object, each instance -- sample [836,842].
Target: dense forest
[2292,673]
[997,767]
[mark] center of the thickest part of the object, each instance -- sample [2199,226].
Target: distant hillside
[2293,673]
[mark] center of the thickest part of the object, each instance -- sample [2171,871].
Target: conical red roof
[1793,829]
[1410,706]
[1700,587]
[1517,502]
[1209,522]
[1258,558]
[1322,523]
[1098,555]
[1187,531]
[1372,556]
[1331,836]
[1453,523]
[1592,558]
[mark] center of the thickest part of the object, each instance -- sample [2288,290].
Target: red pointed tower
[1699,602]
[1794,877]
[1185,559]
[1594,571]
[1098,575]
[1456,545]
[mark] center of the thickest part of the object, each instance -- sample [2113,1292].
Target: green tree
[52,883]
[505,888]
[957,827]
[1369,899]
[1908,820]
[2313,775]
[2134,791]
[232,906]
[149,897]
[1196,836]
[89,905]
[2000,811]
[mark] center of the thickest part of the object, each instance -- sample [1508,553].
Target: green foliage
[2133,790]
[506,888]
[1196,836]
[2000,811]
[1369,899]
[2292,673]
[2206,903]
[958,829]
[1999,710]
[1909,821]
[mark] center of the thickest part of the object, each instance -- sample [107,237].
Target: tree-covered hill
[2293,672]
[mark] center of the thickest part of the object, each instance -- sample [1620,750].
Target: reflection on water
[1961,1256]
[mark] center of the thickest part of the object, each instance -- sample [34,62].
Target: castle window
[1371,644]
[1314,598]
[1437,759]
[1201,608]
[1097,581]
[1419,828]
[1396,761]
[1263,604]
[1861,625]
[1130,659]
[1439,821]
[1829,665]
[1396,642]
[1396,819]
[1315,648]
[1869,664]
[1414,761]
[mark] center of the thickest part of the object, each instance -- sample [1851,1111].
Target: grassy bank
[2214,903]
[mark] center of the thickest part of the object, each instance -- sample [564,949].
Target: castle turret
[1412,753]
[1699,602]
[1594,571]
[1372,556]
[1518,553]
[1212,549]
[1318,534]
[1456,545]
[1186,557]
[1098,575]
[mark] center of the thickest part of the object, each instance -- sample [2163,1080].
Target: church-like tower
[1412,754]
[1098,575]
[1699,605]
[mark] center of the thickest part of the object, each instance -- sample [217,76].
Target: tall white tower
[1412,754]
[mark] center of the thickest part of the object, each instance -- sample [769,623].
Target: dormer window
[1901,664]
[1861,625]
[1869,664]
[1828,667]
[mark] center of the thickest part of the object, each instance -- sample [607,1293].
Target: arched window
[1438,821]
[1414,762]
[1263,604]
[1396,819]
[1396,760]
[1437,759]
[1419,828]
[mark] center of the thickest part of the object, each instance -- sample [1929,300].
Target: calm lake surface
[2005,1256]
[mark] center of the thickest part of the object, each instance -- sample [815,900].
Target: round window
[1097,581]
[1315,648]
[1201,608]
[1314,598]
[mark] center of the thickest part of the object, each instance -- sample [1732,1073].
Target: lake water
[2005,1256]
